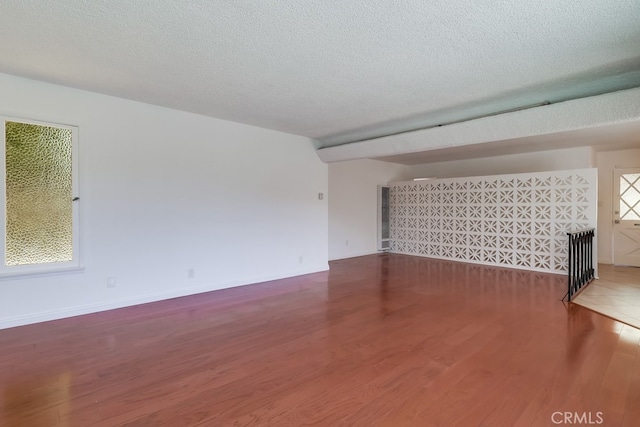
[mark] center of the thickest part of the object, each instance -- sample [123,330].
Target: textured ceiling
[335,71]
[603,138]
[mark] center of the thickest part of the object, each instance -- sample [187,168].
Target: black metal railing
[580,261]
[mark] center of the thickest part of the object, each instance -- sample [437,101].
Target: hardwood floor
[616,294]
[381,340]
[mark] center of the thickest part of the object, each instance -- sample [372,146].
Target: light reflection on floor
[615,294]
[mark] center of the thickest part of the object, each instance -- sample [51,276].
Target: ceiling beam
[591,112]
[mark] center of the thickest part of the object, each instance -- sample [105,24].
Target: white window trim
[48,268]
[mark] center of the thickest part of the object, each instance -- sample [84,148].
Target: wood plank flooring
[381,340]
[616,294]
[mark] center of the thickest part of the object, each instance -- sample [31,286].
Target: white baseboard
[29,319]
[355,255]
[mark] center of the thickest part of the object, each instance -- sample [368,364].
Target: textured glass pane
[38,194]
[630,196]
[385,212]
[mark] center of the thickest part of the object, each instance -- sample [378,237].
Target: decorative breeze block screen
[517,221]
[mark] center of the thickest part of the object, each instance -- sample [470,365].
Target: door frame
[615,205]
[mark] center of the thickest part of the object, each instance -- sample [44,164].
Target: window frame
[51,267]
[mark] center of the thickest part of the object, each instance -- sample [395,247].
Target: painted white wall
[352,188]
[163,191]
[353,204]
[541,161]
[606,162]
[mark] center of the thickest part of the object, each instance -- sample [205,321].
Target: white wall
[606,162]
[353,203]
[542,161]
[163,191]
[352,188]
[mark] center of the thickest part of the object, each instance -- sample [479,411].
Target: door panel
[626,216]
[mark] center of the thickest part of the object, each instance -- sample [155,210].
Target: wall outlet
[300,259]
[111,281]
[346,243]
[191,273]
[320,196]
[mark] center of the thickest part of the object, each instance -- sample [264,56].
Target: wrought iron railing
[580,261]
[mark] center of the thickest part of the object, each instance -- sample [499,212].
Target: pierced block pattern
[517,221]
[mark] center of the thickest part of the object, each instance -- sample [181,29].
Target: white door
[626,217]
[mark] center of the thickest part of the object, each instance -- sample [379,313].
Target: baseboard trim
[355,255]
[11,322]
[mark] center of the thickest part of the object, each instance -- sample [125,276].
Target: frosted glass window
[39,193]
[630,196]
[385,212]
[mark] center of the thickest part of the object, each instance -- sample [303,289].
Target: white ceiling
[335,71]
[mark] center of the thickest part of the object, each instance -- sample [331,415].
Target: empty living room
[292,213]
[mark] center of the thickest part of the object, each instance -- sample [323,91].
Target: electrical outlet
[320,196]
[300,259]
[111,281]
[191,273]
[346,243]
